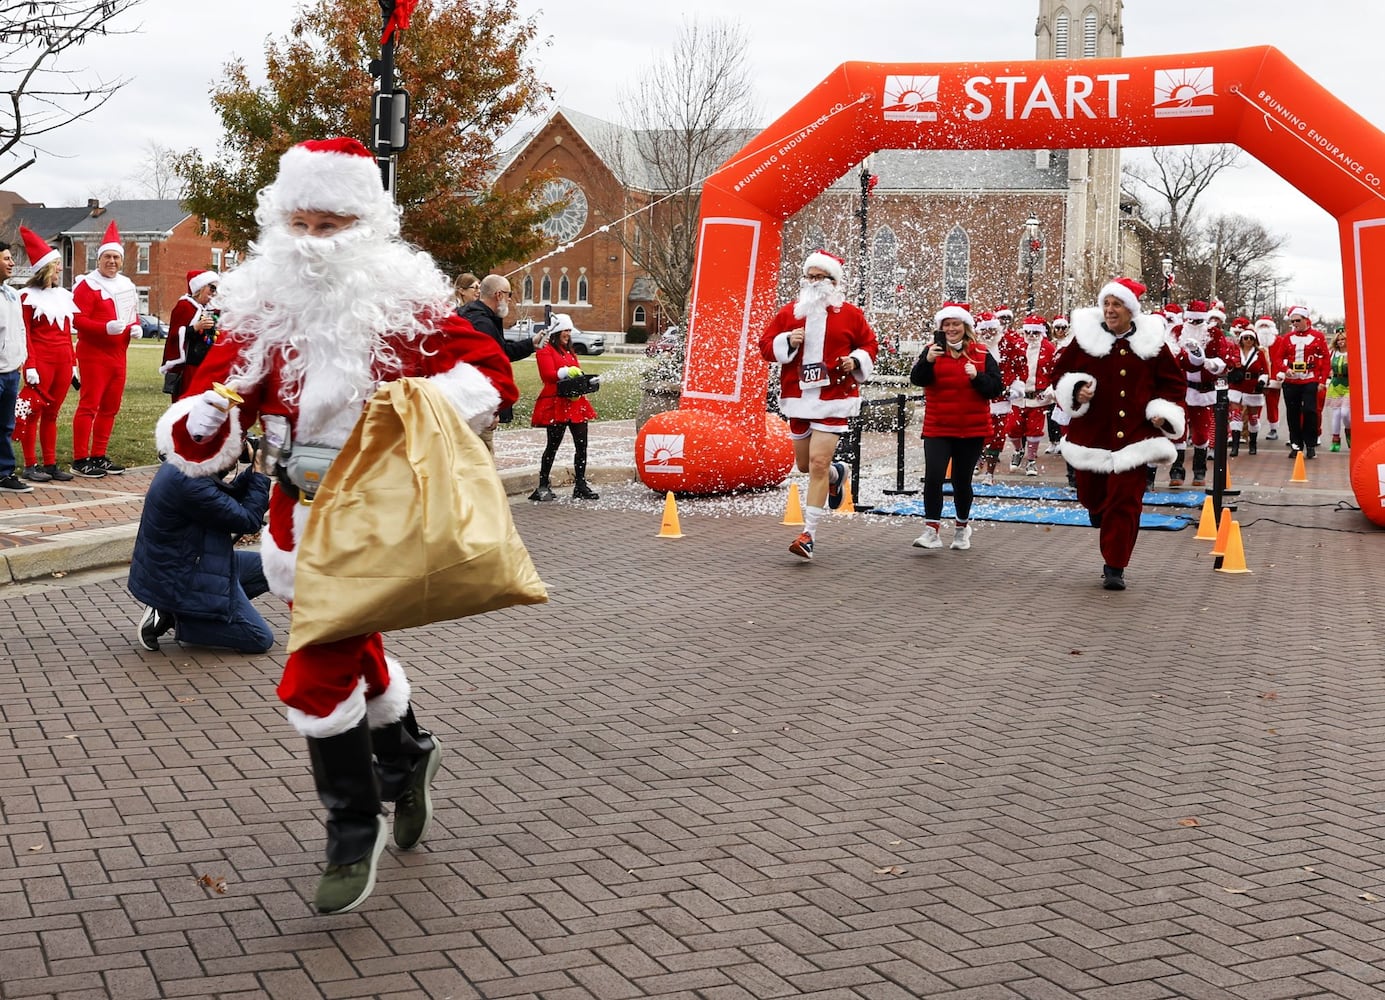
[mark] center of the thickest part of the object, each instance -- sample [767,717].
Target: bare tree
[689,112]
[44,91]
[158,174]
[1234,252]
[1178,176]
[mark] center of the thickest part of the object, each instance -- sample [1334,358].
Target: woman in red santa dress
[1245,382]
[1008,351]
[332,305]
[48,312]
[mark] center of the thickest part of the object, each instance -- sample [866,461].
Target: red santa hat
[1126,290]
[111,241]
[1174,310]
[987,321]
[338,175]
[1034,324]
[1197,310]
[1295,312]
[1004,313]
[1217,310]
[1060,322]
[198,280]
[954,310]
[825,261]
[1267,323]
[1241,323]
[40,254]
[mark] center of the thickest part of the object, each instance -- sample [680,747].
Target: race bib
[813,376]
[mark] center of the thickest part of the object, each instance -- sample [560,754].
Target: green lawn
[132,441]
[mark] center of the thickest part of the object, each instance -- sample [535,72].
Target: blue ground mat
[1030,513]
[1037,491]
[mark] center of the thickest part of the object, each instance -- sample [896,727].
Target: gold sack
[410,526]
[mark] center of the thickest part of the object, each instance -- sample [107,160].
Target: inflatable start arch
[721,438]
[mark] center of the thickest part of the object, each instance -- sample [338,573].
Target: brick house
[162,243]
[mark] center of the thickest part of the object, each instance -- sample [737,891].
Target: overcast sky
[596,48]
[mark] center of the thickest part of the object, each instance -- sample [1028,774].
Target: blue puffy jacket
[184,559]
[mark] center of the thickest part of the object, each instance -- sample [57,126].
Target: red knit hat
[40,254]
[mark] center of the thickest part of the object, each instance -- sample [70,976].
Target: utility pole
[390,115]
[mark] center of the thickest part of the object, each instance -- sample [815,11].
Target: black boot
[344,776]
[406,758]
[1176,471]
[1235,451]
[581,491]
[1254,441]
[1150,473]
[1199,466]
[543,492]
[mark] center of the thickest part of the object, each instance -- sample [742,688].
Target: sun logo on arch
[662,451]
[1183,93]
[905,97]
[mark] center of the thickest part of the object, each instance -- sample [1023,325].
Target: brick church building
[990,227]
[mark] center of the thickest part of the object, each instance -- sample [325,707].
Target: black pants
[579,451]
[1301,412]
[963,453]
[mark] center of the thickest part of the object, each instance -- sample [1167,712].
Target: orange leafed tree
[467,65]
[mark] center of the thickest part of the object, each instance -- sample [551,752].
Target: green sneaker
[414,808]
[345,887]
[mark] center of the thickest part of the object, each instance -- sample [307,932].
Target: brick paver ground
[709,770]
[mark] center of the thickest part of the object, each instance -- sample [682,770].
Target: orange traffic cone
[1207,527]
[1235,561]
[1223,533]
[1300,470]
[670,528]
[1228,475]
[793,510]
[947,475]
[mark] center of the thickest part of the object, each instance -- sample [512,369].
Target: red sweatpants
[103,389]
[1114,502]
[319,678]
[54,364]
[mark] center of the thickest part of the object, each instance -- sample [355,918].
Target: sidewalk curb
[101,548]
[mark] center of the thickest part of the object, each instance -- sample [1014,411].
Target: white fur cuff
[1065,394]
[1172,414]
[390,704]
[342,719]
[471,393]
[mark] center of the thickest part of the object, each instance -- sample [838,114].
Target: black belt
[1031,395]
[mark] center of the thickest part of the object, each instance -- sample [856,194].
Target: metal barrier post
[899,489]
[1221,425]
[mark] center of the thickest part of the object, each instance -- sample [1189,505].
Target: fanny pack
[306,467]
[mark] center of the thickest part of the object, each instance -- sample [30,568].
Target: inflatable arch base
[699,452]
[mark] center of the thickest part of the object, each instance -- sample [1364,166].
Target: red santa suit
[813,391]
[48,316]
[107,315]
[1008,349]
[186,346]
[1204,355]
[1029,419]
[1302,363]
[1111,437]
[1246,381]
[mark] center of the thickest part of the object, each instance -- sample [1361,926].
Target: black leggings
[579,450]
[1301,412]
[963,453]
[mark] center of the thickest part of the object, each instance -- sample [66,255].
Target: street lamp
[1167,265]
[1031,233]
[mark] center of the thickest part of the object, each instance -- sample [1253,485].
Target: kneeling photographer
[186,567]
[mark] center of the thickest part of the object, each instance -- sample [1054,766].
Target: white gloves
[206,415]
[31,376]
[115,328]
[1016,390]
[564,371]
[1194,354]
[1214,366]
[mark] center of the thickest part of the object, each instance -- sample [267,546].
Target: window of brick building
[638,317]
[582,287]
[546,288]
[216,259]
[1060,36]
[1089,35]
[884,258]
[528,288]
[956,265]
[141,258]
[564,288]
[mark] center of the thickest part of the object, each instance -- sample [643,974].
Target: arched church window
[956,265]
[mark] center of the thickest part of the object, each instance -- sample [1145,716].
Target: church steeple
[1078,29]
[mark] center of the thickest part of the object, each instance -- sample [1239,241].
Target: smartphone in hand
[940,339]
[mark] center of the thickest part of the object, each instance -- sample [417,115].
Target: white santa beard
[324,305]
[815,297]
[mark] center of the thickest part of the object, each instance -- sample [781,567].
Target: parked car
[582,342]
[669,342]
[151,328]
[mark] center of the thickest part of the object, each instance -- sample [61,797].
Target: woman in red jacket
[559,412]
[48,312]
[960,377]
